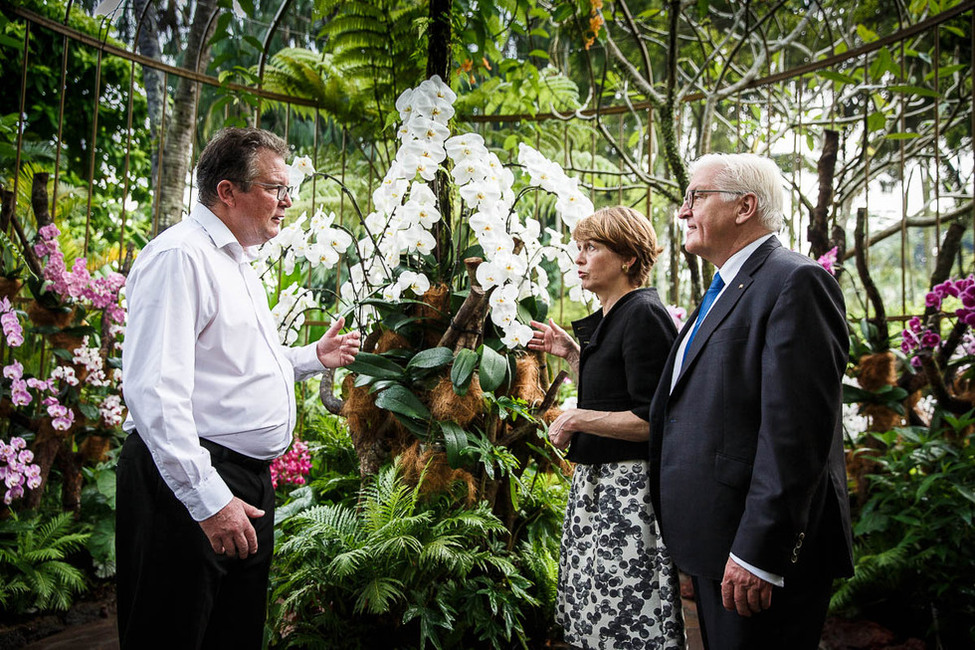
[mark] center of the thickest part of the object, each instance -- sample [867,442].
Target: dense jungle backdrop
[421,498]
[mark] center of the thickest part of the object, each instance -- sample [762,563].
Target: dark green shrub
[915,536]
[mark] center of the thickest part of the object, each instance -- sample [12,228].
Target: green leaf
[430,358]
[254,42]
[494,368]
[463,370]
[541,54]
[945,71]
[563,11]
[106,486]
[90,411]
[375,365]
[836,76]
[222,29]
[866,34]
[965,492]
[914,90]
[455,440]
[399,399]
[876,121]
[902,136]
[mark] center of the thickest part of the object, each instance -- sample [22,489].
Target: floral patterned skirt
[618,588]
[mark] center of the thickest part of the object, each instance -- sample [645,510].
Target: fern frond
[378,595]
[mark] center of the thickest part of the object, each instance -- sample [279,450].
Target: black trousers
[174,591]
[794,621]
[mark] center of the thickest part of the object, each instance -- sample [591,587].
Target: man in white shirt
[747,466]
[210,392]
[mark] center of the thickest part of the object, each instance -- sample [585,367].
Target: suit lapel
[724,305]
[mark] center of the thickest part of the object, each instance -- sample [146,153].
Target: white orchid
[517,335]
[406,209]
[418,283]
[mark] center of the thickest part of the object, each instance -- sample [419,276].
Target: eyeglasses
[691,195]
[282,190]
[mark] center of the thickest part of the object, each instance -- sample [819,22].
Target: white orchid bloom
[336,239]
[464,146]
[391,292]
[436,87]
[487,275]
[517,334]
[485,223]
[419,239]
[504,318]
[511,267]
[505,297]
[419,213]
[573,207]
[431,106]
[321,221]
[470,169]
[404,104]
[320,254]
[498,244]
[376,222]
[288,262]
[418,283]
[426,130]
[299,169]
[476,195]
[389,195]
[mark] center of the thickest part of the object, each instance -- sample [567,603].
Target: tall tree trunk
[181,127]
[818,230]
[146,23]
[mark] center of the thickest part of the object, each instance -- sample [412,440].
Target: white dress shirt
[728,273]
[202,359]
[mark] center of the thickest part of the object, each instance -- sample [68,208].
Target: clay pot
[41,316]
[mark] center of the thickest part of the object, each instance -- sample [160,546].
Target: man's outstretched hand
[336,350]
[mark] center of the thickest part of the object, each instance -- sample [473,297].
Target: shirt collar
[220,234]
[734,263]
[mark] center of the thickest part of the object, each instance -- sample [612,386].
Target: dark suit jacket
[747,450]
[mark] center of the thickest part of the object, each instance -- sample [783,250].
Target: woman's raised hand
[552,339]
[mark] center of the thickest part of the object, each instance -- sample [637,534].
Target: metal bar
[937,140]
[63,91]
[93,145]
[21,116]
[282,8]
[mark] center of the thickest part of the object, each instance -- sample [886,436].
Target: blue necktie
[717,284]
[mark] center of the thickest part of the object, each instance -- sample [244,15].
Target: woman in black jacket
[617,586]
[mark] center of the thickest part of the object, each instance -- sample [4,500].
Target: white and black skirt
[618,588]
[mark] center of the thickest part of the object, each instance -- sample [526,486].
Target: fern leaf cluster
[433,572]
[34,571]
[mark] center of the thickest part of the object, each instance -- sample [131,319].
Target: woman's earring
[626,268]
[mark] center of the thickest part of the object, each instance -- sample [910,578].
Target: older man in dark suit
[746,434]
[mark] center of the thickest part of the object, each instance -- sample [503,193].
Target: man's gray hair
[748,172]
[232,155]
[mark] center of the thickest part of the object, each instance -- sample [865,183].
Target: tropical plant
[401,572]
[915,533]
[34,571]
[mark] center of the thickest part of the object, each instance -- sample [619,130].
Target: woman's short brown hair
[627,233]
